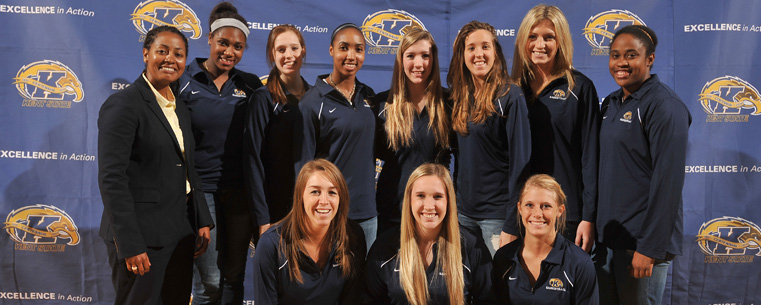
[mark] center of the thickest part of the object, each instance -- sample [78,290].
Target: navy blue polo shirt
[382,283]
[398,165]
[567,276]
[343,133]
[321,286]
[492,160]
[217,122]
[564,142]
[643,146]
[269,153]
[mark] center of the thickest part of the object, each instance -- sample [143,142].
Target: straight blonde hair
[461,82]
[294,225]
[522,65]
[548,183]
[400,111]
[449,256]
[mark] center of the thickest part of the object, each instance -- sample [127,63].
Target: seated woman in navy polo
[543,267]
[431,261]
[314,255]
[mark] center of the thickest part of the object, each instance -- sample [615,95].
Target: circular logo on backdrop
[600,28]
[730,95]
[384,30]
[48,82]
[168,12]
[35,226]
[730,237]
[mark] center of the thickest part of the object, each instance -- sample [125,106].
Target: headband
[222,22]
[648,35]
[341,27]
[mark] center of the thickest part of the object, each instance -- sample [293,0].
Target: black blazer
[141,173]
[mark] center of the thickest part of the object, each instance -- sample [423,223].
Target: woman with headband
[413,123]
[338,124]
[493,137]
[564,116]
[270,126]
[643,145]
[216,94]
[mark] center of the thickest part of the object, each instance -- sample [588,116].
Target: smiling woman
[406,265]
[146,174]
[217,95]
[338,124]
[315,255]
[543,267]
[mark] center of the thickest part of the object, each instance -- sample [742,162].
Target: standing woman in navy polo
[413,122]
[543,267]
[216,94]
[643,145]
[564,116]
[493,137]
[270,127]
[315,255]
[429,259]
[338,124]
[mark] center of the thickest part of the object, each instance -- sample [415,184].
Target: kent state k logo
[41,225]
[600,28]
[48,80]
[729,236]
[730,95]
[169,12]
[384,30]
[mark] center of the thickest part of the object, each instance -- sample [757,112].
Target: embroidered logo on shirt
[367,104]
[194,92]
[239,93]
[555,284]
[558,95]
[331,110]
[396,270]
[512,278]
[627,117]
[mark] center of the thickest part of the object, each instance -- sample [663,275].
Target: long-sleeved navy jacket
[491,161]
[565,125]
[567,276]
[217,119]
[399,164]
[643,145]
[343,133]
[268,153]
[382,282]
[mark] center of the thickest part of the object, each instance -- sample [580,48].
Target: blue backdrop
[63,58]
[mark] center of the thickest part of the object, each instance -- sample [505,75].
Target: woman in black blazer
[152,208]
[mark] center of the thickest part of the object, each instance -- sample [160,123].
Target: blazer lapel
[153,105]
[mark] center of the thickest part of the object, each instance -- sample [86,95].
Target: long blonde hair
[294,225]
[460,80]
[522,65]
[449,256]
[548,183]
[400,111]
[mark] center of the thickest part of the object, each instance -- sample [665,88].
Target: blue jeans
[617,286]
[207,276]
[370,228]
[488,229]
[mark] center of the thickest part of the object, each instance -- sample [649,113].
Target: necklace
[332,83]
[207,69]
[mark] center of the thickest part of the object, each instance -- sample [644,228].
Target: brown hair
[295,224]
[462,84]
[274,84]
